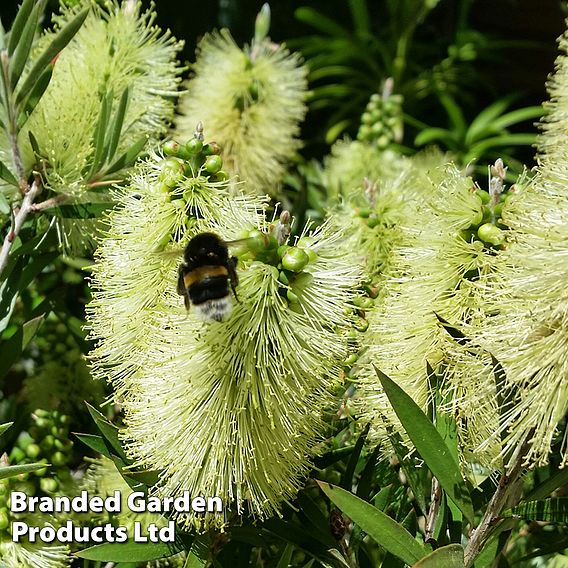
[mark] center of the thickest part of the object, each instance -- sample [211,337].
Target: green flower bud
[295,259]
[171,148]
[282,250]
[213,164]
[293,298]
[58,459]
[362,325]
[194,146]
[17,455]
[484,195]
[211,149]
[491,234]
[33,451]
[48,485]
[171,171]
[221,175]
[4,520]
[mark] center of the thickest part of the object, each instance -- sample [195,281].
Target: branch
[506,486]
[50,203]
[18,219]
[435,497]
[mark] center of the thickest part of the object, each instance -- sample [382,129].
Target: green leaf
[478,150]
[383,529]
[96,443]
[360,16]
[335,131]
[22,52]
[548,486]
[347,477]
[320,22]
[459,126]
[332,457]
[116,126]
[430,135]
[319,522]
[7,175]
[550,510]
[450,556]
[482,124]
[13,470]
[130,551]
[100,134]
[12,349]
[80,210]
[429,444]
[19,23]
[64,36]
[128,158]
[517,116]
[108,430]
[367,475]
[286,557]
[35,95]
[4,427]
[416,476]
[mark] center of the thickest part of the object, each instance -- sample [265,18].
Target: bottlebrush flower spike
[528,329]
[252,101]
[238,400]
[430,274]
[33,555]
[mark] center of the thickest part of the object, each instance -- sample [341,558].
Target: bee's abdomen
[208,289]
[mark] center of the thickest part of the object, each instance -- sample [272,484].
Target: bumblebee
[205,274]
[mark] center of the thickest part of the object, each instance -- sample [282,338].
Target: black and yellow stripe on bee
[207,282]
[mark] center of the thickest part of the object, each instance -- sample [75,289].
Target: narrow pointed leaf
[7,175]
[128,158]
[13,470]
[286,557]
[366,479]
[347,477]
[4,427]
[483,122]
[19,23]
[21,54]
[319,523]
[549,510]
[548,486]
[116,126]
[130,551]
[12,349]
[64,36]
[450,556]
[35,95]
[383,529]
[100,134]
[108,430]
[96,443]
[429,444]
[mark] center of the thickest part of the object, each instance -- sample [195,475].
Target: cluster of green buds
[487,228]
[55,343]
[381,123]
[47,441]
[195,158]
[290,261]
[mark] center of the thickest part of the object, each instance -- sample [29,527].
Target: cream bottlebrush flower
[116,48]
[527,297]
[238,401]
[372,214]
[351,162]
[428,275]
[527,331]
[32,555]
[252,101]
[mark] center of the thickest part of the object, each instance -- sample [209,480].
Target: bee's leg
[181,290]
[233,276]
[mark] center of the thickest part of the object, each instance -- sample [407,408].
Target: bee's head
[206,246]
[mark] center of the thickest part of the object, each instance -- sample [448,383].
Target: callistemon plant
[238,400]
[252,101]
[447,244]
[528,330]
[105,97]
